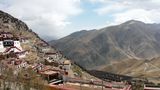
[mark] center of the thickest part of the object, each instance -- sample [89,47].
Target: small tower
[1,46]
[17,44]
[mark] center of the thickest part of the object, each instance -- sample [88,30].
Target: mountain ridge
[129,40]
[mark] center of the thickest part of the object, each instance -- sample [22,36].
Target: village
[14,57]
[50,65]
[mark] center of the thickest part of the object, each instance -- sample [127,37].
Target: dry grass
[137,68]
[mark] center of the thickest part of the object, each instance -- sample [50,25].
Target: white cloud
[126,4]
[47,17]
[95,1]
[123,10]
[137,14]
[111,8]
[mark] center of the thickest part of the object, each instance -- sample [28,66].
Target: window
[16,42]
[8,43]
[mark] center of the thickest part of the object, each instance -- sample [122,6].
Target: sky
[54,19]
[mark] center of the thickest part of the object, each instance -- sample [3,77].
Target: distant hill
[99,49]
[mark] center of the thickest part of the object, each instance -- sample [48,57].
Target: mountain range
[119,49]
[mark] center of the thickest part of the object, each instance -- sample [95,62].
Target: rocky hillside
[132,40]
[20,30]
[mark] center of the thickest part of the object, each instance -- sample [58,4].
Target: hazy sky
[58,18]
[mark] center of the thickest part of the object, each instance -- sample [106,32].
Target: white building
[9,44]
[67,65]
[51,56]
[21,54]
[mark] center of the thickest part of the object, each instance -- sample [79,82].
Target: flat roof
[49,72]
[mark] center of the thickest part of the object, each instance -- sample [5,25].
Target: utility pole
[102,84]
[80,87]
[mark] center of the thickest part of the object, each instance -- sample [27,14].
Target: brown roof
[50,53]
[9,38]
[20,52]
[67,62]
[49,72]
[5,32]
[11,48]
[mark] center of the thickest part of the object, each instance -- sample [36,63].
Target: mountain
[132,42]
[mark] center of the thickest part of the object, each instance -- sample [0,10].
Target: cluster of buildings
[11,52]
[10,45]
[14,57]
